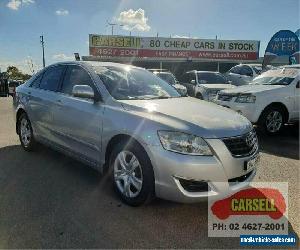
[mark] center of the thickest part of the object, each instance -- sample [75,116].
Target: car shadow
[49,200]
[285,144]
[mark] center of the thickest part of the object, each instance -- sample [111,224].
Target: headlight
[183,143]
[246,98]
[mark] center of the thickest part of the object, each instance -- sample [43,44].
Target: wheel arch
[199,95]
[118,139]
[279,105]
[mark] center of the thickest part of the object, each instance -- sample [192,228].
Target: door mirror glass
[298,85]
[193,82]
[83,91]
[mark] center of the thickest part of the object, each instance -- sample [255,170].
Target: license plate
[251,164]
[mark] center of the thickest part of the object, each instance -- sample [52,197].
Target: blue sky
[66,24]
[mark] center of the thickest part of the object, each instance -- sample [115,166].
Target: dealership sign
[261,209]
[283,43]
[172,48]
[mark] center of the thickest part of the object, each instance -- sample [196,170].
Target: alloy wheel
[25,132]
[128,174]
[274,121]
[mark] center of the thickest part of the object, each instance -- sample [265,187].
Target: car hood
[252,89]
[191,115]
[218,86]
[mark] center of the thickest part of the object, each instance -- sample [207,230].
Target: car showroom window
[75,75]
[51,78]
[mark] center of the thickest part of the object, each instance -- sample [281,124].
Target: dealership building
[175,54]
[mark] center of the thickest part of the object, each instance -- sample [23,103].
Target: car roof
[203,71]
[293,66]
[250,64]
[163,73]
[96,64]
[285,72]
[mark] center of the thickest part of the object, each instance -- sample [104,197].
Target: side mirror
[193,82]
[229,82]
[298,85]
[83,91]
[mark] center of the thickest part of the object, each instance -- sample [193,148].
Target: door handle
[29,92]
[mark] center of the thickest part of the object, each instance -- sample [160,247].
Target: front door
[78,121]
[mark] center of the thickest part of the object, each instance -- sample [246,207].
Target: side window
[235,70]
[246,71]
[36,82]
[185,78]
[75,75]
[51,78]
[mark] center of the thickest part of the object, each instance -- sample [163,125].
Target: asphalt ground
[48,200]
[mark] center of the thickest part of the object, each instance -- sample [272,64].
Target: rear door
[78,121]
[41,100]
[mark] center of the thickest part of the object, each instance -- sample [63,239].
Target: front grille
[240,178]
[242,146]
[224,97]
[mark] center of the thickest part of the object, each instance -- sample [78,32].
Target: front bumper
[217,170]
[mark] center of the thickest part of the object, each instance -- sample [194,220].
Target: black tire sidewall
[199,96]
[264,118]
[147,191]
[31,144]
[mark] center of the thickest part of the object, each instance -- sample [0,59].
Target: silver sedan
[127,120]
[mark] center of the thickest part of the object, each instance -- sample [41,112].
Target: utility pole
[43,47]
[112,25]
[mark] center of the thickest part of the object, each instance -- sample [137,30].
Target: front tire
[25,133]
[272,120]
[132,176]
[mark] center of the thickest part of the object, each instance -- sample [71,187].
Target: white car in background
[204,85]
[171,79]
[270,100]
[242,74]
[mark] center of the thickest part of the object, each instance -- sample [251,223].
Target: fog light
[194,186]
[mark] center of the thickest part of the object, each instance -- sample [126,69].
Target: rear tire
[25,133]
[272,120]
[132,174]
[199,96]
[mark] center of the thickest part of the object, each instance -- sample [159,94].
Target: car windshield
[275,80]
[169,78]
[132,83]
[257,69]
[209,78]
